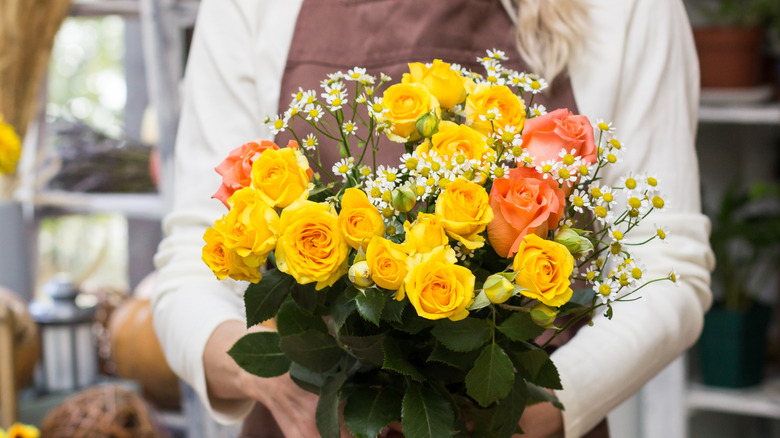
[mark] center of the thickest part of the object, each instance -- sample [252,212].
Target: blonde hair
[547,32]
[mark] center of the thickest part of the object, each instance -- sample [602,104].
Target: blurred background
[93,85]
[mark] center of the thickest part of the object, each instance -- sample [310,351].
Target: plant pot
[729,57]
[732,346]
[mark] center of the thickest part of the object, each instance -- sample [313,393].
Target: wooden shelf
[133,205]
[760,401]
[759,114]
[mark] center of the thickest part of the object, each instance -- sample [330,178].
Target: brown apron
[384,36]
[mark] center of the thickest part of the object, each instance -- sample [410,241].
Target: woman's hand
[292,407]
[541,420]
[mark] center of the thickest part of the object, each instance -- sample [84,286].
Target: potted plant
[730,45]
[746,242]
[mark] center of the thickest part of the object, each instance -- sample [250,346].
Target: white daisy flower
[605,290]
[674,276]
[603,215]
[604,126]
[537,110]
[607,197]
[376,109]
[579,200]
[462,253]
[350,128]
[343,167]
[313,112]
[310,142]
[534,84]
[548,168]
[497,54]
[384,78]
[662,232]
[355,74]
[278,124]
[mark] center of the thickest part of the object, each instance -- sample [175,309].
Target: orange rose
[523,203]
[236,169]
[545,136]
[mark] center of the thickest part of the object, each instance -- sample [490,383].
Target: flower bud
[573,241]
[404,198]
[360,275]
[427,125]
[498,288]
[543,316]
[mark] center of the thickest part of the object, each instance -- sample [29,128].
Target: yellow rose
[10,148]
[281,177]
[452,140]
[465,212]
[310,246]
[19,430]
[405,103]
[359,219]
[252,227]
[437,287]
[543,270]
[387,262]
[222,259]
[485,97]
[424,235]
[446,85]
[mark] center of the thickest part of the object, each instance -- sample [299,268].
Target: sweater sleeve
[639,69]
[223,107]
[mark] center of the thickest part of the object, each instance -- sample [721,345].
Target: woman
[628,61]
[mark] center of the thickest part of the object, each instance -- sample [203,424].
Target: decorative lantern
[69,353]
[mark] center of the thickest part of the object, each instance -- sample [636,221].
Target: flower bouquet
[426,292]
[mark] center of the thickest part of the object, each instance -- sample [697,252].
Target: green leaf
[313,349]
[307,379]
[366,349]
[370,304]
[426,414]
[263,299]
[307,296]
[579,298]
[343,306]
[462,361]
[327,414]
[465,335]
[412,323]
[537,367]
[501,420]
[394,311]
[492,376]
[291,320]
[259,354]
[539,394]
[395,360]
[369,410]
[520,327]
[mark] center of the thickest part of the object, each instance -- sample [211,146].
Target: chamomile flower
[548,168]
[384,78]
[376,109]
[606,290]
[525,159]
[537,110]
[303,98]
[674,276]
[592,273]
[638,203]
[313,112]
[651,180]
[463,253]
[604,126]
[631,183]
[364,172]
[361,99]
[310,142]
[616,233]
[662,232]
[278,124]
[657,200]
[355,74]
[393,226]
[516,79]
[607,197]
[498,170]
[491,114]
[344,166]
[579,200]
[332,77]
[349,128]
[603,215]
[534,84]
[387,174]
[497,55]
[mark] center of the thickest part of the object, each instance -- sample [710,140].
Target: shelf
[759,114]
[92,8]
[138,206]
[761,401]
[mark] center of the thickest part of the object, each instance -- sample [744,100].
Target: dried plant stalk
[27,30]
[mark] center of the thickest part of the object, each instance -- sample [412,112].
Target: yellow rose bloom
[310,246]
[543,270]
[387,263]
[359,220]
[252,227]
[453,139]
[437,287]
[424,235]
[440,79]
[10,148]
[465,212]
[405,103]
[18,430]
[281,177]
[484,98]
[222,259]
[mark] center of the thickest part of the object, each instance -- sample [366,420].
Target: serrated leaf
[305,378]
[262,299]
[370,304]
[537,368]
[395,360]
[291,320]
[492,376]
[394,311]
[326,415]
[369,410]
[307,296]
[343,306]
[540,394]
[501,420]
[426,414]
[412,323]
[315,350]
[367,349]
[259,354]
[463,361]
[520,327]
[465,335]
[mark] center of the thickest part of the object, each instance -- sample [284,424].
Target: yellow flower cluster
[10,148]
[18,430]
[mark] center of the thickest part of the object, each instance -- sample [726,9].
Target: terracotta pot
[138,355]
[729,57]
